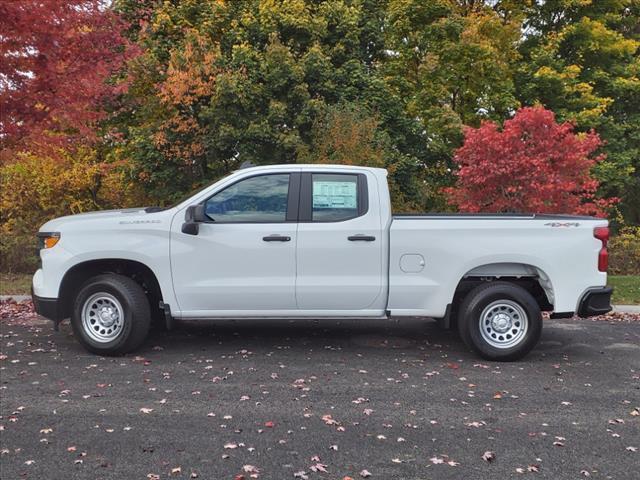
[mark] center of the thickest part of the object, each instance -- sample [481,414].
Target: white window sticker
[334,195]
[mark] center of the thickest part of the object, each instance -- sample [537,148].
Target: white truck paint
[367,264]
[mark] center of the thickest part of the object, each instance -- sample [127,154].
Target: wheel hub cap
[503,324]
[102,317]
[107,316]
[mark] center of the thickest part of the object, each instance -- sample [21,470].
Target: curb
[626,308]
[17,298]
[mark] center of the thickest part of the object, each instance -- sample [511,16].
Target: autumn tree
[60,67]
[256,76]
[581,59]
[56,58]
[37,188]
[532,164]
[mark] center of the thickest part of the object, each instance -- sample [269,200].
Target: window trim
[305,212]
[293,199]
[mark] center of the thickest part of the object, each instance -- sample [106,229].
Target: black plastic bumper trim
[596,301]
[47,307]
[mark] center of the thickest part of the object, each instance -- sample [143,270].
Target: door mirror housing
[194,215]
[198,214]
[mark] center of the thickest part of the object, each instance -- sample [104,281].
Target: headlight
[48,239]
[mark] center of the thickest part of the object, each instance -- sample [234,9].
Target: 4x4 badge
[562,224]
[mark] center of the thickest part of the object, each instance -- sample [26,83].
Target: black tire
[470,318]
[136,314]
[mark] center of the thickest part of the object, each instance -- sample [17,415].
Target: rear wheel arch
[529,277]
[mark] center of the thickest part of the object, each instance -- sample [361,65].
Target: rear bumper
[596,301]
[47,307]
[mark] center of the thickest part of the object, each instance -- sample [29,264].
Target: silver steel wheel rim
[102,317]
[503,324]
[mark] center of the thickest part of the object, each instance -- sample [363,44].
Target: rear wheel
[111,315]
[500,321]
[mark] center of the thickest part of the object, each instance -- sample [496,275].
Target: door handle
[276,238]
[361,238]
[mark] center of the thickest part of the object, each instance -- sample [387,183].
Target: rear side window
[261,199]
[334,197]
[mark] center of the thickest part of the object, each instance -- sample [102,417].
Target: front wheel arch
[79,274]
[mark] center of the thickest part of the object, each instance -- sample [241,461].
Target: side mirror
[194,215]
[198,213]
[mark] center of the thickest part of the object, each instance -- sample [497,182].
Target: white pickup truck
[294,241]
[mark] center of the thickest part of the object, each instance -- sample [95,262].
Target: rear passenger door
[340,244]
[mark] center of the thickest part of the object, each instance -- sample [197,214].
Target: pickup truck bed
[463,246]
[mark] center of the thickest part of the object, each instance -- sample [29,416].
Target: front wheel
[111,315]
[500,321]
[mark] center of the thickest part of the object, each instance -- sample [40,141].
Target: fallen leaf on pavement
[488,456]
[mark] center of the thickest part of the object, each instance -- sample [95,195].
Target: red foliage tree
[54,59]
[533,164]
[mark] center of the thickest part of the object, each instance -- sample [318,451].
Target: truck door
[243,261]
[340,247]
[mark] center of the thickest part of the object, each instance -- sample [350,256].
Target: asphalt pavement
[320,400]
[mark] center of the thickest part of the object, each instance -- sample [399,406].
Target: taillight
[602,234]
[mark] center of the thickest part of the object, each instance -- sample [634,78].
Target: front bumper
[47,307]
[596,301]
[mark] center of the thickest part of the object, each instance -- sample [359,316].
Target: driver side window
[261,199]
